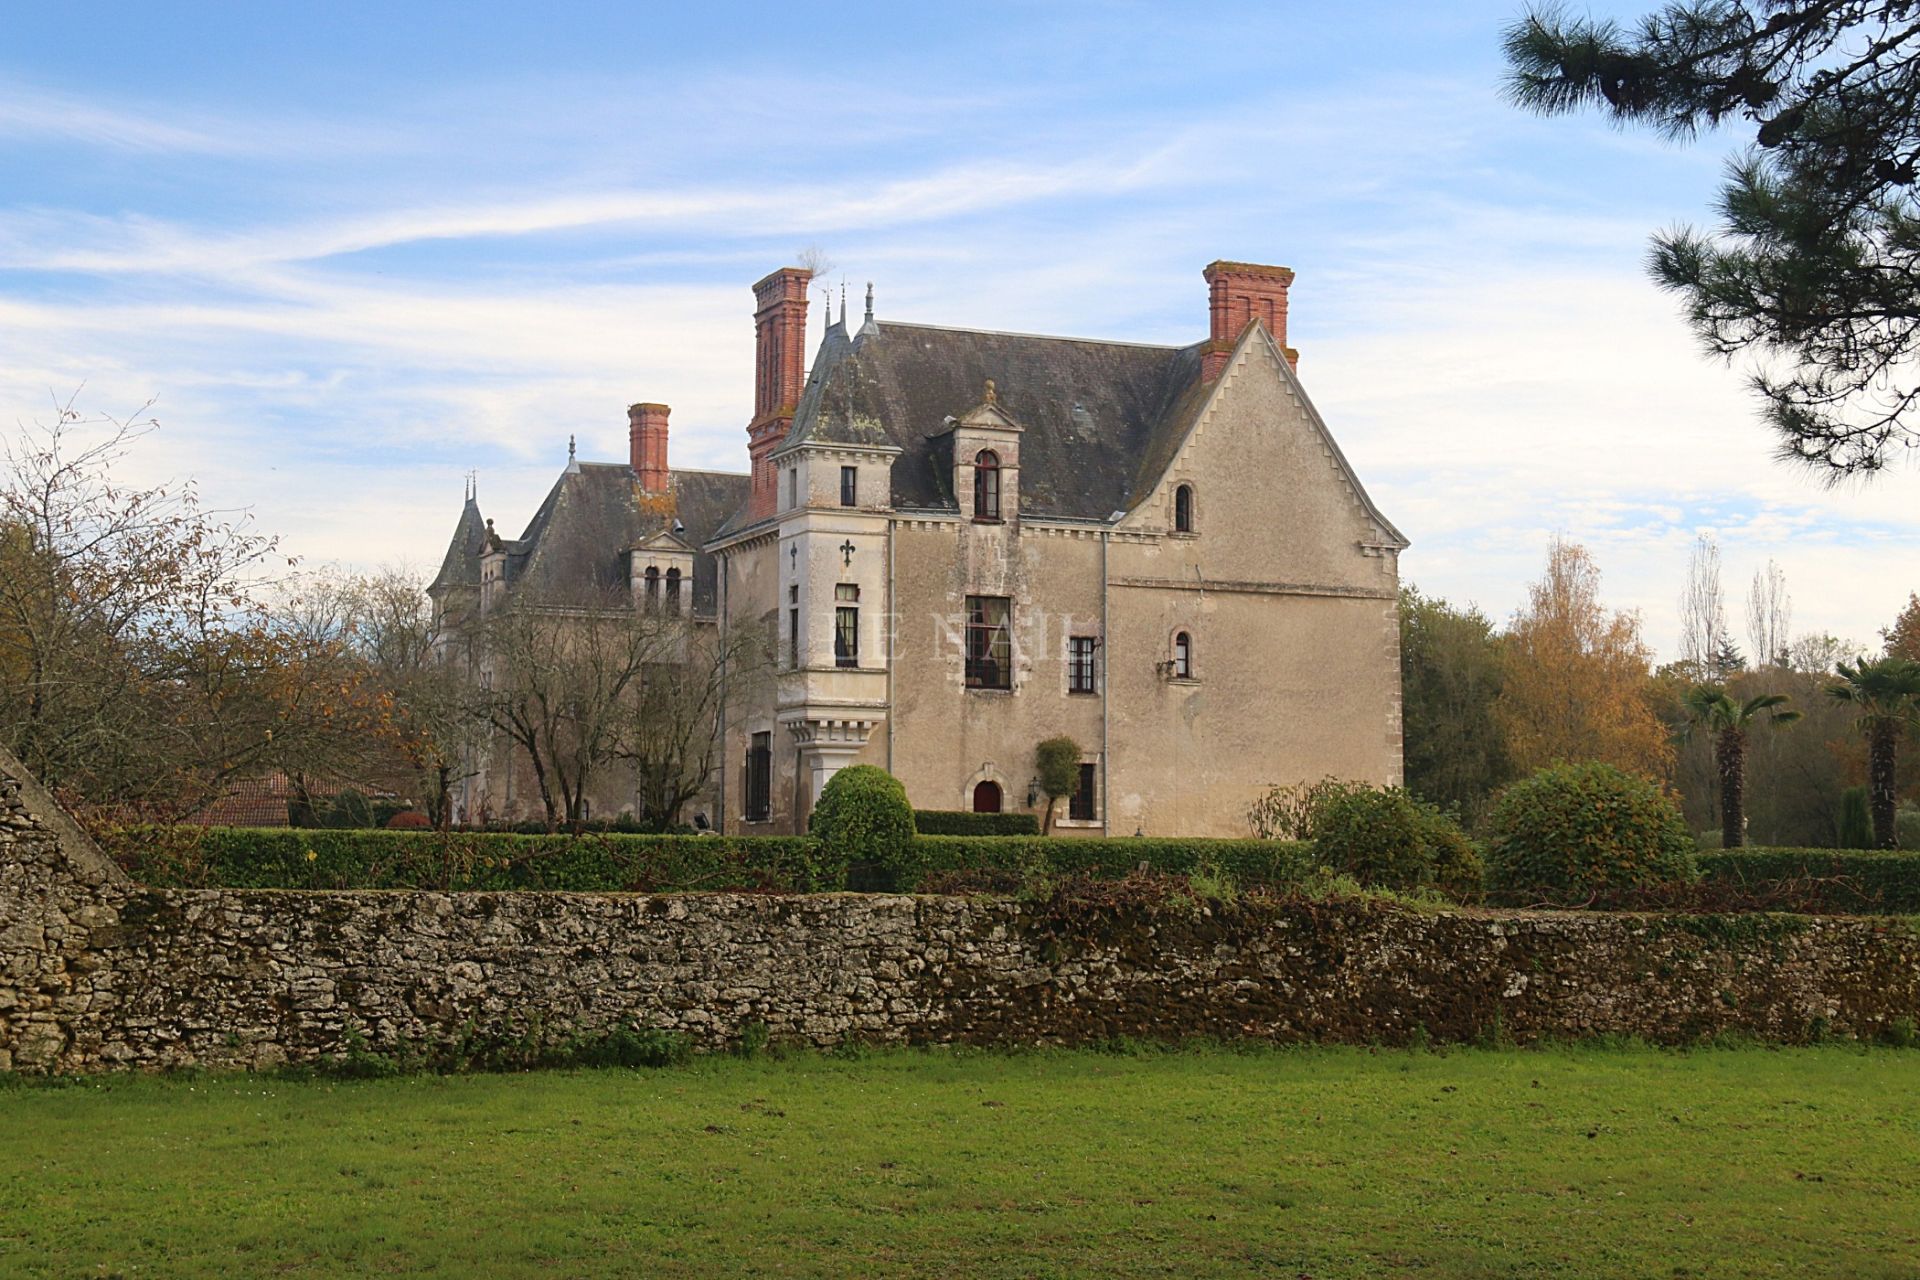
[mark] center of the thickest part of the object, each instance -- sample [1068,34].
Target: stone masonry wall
[98,973]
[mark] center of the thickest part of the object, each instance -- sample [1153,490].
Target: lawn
[1315,1162]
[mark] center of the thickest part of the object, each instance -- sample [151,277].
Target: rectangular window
[1080,671]
[793,639]
[849,486]
[1085,807]
[760,778]
[793,487]
[846,625]
[989,642]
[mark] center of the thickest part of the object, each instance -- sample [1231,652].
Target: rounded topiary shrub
[1577,831]
[1388,839]
[864,823]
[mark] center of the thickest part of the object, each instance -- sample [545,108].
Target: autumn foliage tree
[1576,676]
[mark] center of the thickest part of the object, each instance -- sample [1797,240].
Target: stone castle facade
[958,543]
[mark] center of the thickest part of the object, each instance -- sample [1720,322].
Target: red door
[986,798]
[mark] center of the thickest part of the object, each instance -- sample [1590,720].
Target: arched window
[1183,509]
[986,797]
[653,587]
[986,485]
[673,591]
[1182,656]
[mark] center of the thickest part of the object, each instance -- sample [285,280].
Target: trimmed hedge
[1863,881]
[959,822]
[1574,832]
[1247,861]
[863,821]
[1837,880]
[266,858]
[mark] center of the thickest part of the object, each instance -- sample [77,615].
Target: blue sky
[358,250]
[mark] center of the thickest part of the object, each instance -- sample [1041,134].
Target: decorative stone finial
[869,302]
[993,396]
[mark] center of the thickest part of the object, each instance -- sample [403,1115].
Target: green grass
[1318,1162]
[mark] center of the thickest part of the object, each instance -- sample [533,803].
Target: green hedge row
[249,858]
[1875,882]
[959,822]
[1855,881]
[1247,861]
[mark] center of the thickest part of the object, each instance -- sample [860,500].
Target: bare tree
[671,733]
[557,678]
[1706,646]
[136,662]
[1769,616]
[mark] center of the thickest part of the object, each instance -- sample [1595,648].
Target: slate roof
[576,544]
[1101,419]
[461,567]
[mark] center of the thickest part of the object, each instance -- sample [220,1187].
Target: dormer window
[1183,509]
[673,590]
[986,485]
[653,587]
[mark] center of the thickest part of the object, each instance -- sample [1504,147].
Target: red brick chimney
[780,370]
[1238,294]
[647,445]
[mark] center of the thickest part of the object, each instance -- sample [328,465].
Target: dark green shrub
[863,821]
[958,822]
[1389,840]
[1458,870]
[349,809]
[1906,829]
[1576,830]
[1856,822]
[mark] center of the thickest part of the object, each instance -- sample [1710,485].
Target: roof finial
[869,302]
[569,448]
[843,299]
[993,396]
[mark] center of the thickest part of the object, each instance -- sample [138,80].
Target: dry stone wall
[99,973]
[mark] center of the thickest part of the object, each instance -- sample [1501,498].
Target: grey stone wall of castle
[97,973]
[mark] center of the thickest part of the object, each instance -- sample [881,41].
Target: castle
[959,543]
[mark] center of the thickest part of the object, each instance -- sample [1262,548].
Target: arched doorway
[986,797]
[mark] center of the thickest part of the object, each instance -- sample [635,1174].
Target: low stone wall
[97,973]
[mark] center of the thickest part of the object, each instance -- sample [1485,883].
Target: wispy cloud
[364,302]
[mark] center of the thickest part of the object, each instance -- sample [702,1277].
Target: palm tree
[1711,707]
[1886,692]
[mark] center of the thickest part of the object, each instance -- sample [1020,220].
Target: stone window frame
[989,488]
[1191,527]
[1091,667]
[987,638]
[1181,665]
[1090,761]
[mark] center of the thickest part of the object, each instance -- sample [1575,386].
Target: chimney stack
[780,371]
[1238,294]
[647,445]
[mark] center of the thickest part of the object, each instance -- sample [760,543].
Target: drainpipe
[891,624]
[726,756]
[1106,664]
